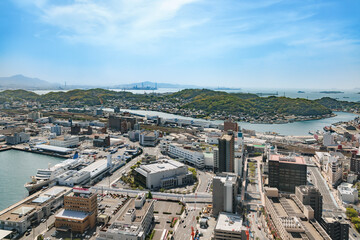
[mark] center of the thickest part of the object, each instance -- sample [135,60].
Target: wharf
[20,148]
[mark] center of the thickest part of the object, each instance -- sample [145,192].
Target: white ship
[45,177]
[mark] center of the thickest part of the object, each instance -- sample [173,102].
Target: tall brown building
[226,154]
[123,124]
[230,125]
[355,163]
[80,211]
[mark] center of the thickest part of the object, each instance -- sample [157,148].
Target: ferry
[45,177]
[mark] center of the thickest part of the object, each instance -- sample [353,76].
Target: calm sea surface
[16,167]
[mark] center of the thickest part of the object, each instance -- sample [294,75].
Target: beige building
[79,213]
[20,216]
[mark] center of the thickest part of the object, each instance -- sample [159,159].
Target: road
[184,230]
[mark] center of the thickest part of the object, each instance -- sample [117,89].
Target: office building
[79,213]
[310,195]
[163,174]
[65,142]
[56,129]
[230,227]
[287,172]
[225,191]
[191,157]
[18,138]
[226,153]
[355,163]
[149,139]
[134,223]
[336,227]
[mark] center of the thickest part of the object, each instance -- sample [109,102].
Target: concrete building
[226,154]
[65,142]
[310,195]
[192,157]
[286,172]
[230,227]
[18,138]
[347,193]
[56,129]
[329,139]
[134,223]
[230,125]
[101,142]
[334,170]
[355,162]
[79,213]
[20,216]
[123,124]
[149,139]
[163,174]
[225,191]
[337,228]
[288,218]
[35,115]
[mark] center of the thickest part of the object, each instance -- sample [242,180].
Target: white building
[192,157]
[56,129]
[347,193]
[66,142]
[149,139]
[163,174]
[333,170]
[329,139]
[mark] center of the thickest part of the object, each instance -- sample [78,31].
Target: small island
[331,92]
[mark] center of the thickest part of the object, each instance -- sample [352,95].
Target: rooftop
[229,222]
[161,166]
[287,159]
[69,214]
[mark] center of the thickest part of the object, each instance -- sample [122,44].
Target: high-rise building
[80,211]
[230,125]
[337,228]
[310,195]
[226,153]
[56,129]
[225,191]
[355,163]
[286,172]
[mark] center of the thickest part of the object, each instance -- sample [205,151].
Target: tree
[351,213]
[40,237]
[149,195]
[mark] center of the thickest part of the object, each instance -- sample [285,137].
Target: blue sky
[231,43]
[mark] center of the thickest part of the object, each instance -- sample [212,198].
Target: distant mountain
[23,82]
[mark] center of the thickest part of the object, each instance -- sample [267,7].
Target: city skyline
[312,44]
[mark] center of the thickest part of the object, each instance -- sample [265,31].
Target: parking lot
[163,219]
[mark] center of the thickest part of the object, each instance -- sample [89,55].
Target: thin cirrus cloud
[183,35]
